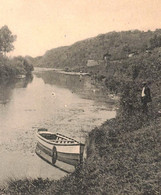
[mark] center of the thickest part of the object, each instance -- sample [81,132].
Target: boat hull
[68,153]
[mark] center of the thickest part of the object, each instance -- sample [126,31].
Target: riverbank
[123,157]
[120,160]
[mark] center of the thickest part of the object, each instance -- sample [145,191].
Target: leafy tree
[6,40]
[22,64]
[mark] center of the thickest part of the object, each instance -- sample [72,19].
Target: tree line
[11,67]
[118,45]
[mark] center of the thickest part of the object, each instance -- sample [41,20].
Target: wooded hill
[117,45]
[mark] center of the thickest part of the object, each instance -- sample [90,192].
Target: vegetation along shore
[124,154]
[11,67]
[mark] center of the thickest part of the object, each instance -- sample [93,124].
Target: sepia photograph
[80,97]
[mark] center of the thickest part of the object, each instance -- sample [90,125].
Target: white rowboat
[53,147]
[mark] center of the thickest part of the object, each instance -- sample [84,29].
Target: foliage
[118,46]
[155,41]
[13,66]
[22,64]
[10,68]
[6,40]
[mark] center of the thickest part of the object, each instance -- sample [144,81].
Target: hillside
[119,45]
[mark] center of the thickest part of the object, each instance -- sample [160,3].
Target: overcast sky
[44,24]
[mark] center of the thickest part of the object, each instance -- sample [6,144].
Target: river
[64,103]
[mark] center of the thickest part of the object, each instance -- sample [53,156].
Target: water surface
[67,104]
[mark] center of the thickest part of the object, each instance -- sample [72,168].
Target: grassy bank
[120,161]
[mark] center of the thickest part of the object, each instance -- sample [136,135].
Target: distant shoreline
[60,71]
[72,73]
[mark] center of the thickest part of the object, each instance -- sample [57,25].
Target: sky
[41,25]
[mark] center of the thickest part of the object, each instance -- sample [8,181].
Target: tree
[22,64]
[6,40]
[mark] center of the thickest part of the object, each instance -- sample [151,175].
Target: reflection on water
[83,86]
[59,102]
[6,88]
